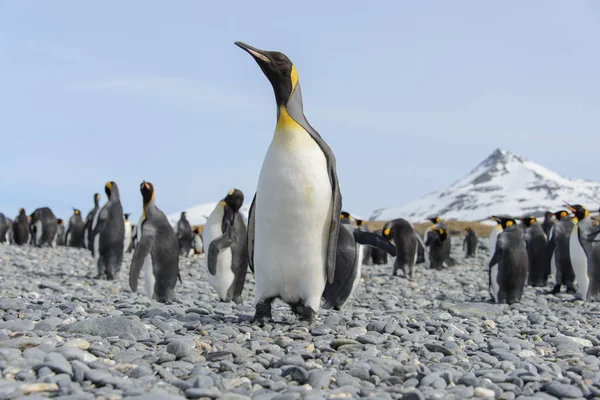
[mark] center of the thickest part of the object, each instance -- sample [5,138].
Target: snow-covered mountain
[504,183]
[197,215]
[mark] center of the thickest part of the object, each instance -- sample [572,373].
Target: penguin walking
[378,256]
[537,245]
[581,249]
[493,271]
[227,243]
[198,243]
[298,184]
[470,243]
[21,228]
[89,221]
[184,234]
[44,225]
[128,233]
[4,229]
[548,223]
[108,234]
[76,230]
[60,233]
[348,263]
[510,260]
[560,254]
[157,253]
[406,242]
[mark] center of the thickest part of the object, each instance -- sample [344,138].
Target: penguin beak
[258,54]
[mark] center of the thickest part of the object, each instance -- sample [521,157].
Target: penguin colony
[322,266]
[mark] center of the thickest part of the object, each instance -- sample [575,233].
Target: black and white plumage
[406,241]
[537,252]
[89,221]
[157,253]
[76,231]
[5,229]
[60,238]
[43,227]
[108,235]
[560,253]
[470,243]
[184,234]
[21,228]
[438,246]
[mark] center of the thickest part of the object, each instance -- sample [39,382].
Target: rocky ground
[65,335]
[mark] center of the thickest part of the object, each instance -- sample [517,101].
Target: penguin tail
[374,240]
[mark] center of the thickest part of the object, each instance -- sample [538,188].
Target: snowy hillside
[197,214]
[504,183]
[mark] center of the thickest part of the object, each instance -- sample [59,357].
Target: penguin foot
[571,290]
[263,312]
[555,289]
[238,300]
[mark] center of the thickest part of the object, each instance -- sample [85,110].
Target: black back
[21,228]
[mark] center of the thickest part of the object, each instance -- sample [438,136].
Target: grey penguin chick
[108,234]
[4,229]
[157,252]
[226,239]
[470,243]
[44,225]
[60,233]
[510,256]
[537,249]
[76,230]
[406,240]
[21,228]
[349,262]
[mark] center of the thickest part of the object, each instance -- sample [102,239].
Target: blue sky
[409,95]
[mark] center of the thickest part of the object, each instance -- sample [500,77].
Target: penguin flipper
[251,234]
[374,240]
[141,252]
[222,242]
[334,229]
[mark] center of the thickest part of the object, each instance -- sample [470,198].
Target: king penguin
[298,184]
[89,220]
[508,266]
[537,245]
[406,241]
[362,226]
[108,234]
[44,225]
[581,248]
[157,252]
[349,262]
[197,243]
[560,254]
[76,230]
[60,233]
[379,257]
[470,243]
[128,233]
[548,223]
[184,234]
[21,228]
[3,229]
[227,243]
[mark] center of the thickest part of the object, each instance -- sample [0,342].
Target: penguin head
[196,231]
[468,228]
[278,69]
[108,189]
[21,211]
[126,216]
[386,232]
[434,220]
[560,214]
[76,211]
[505,222]
[60,221]
[147,191]
[96,197]
[578,211]
[183,214]
[548,215]
[528,221]
[359,222]
[443,233]
[234,199]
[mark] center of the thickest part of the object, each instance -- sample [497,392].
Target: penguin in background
[470,243]
[227,243]
[508,266]
[108,234]
[128,233]
[76,230]
[21,228]
[60,233]
[349,263]
[548,223]
[44,225]
[537,245]
[157,253]
[365,250]
[89,222]
[379,257]
[560,254]
[298,184]
[406,241]
[197,243]
[134,238]
[436,223]
[345,218]
[438,246]
[184,234]
[581,250]
[4,229]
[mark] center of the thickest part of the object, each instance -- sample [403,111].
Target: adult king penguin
[560,254]
[4,229]
[128,233]
[197,243]
[21,228]
[548,223]
[184,234]
[297,186]
[108,234]
[60,233]
[76,230]
[508,266]
[537,255]
[470,243]
[227,243]
[378,256]
[581,249]
[44,225]
[89,221]
[157,252]
[406,241]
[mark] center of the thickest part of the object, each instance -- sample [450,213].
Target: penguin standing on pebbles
[3,229]
[508,266]
[537,244]
[470,243]
[108,235]
[157,252]
[581,249]
[297,186]
[406,242]
[21,228]
[560,254]
[128,233]
[184,235]
[438,246]
[44,225]
[89,221]
[60,233]
[197,243]
[76,230]
[227,243]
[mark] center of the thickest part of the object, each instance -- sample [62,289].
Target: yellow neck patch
[387,232]
[230,192]
[294,79]
[285,122]
[586,213]
[509,223]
